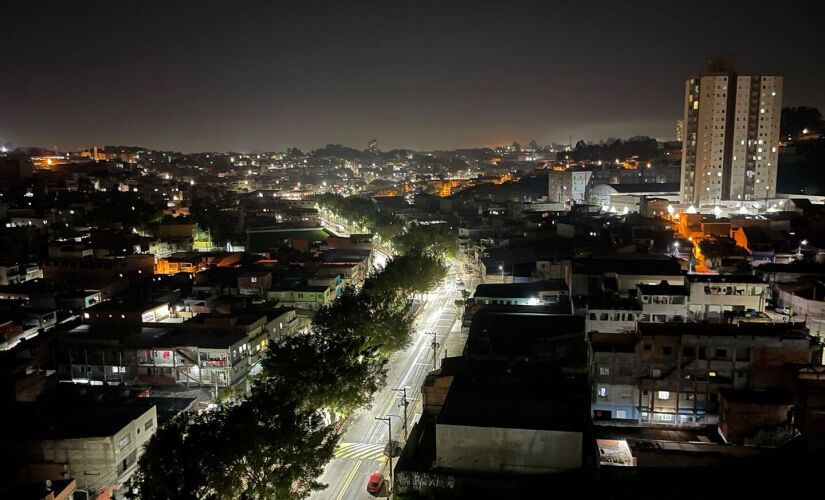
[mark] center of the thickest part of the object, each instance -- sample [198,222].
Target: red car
[375,483]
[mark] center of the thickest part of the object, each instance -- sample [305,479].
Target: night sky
[247,76]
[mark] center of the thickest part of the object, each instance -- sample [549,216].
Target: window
[647,347]
[592,316]
[721,353]
[664,395]
[603,392]
[118,369]
[254,279]
[667,350]
[148,425]
[689,351]
[123,442]
[604,370]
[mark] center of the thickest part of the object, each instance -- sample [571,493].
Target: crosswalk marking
[361,451]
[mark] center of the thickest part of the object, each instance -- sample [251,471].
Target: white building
[713,295]
[579,185]
[663,303]
[731,140]
[612,316]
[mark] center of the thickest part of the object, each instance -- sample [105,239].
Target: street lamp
[799,248]
[501,268]
[388,420]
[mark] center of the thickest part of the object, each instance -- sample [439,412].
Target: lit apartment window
[664,395]
[603,392]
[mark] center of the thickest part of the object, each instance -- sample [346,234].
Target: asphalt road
[363,438]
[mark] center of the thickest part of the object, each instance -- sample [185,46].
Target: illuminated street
[364,438]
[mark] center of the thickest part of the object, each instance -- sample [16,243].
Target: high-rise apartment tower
[731,136]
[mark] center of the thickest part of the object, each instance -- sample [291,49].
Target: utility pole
[435,345]
[405,403]
[390,447]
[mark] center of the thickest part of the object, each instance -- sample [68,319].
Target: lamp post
[501,268]
[388,420]
[435,345]
[799,248]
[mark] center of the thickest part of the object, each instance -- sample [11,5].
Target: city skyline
[436,77]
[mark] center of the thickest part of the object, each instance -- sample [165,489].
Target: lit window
[664,395]
[603,392]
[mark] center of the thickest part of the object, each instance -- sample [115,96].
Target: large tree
[434,239]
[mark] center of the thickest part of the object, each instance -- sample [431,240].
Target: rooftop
[628,264]
[663,289]
[519,290]
[515,397]
[526,331]
[724,278]
[35,420]
[746,329]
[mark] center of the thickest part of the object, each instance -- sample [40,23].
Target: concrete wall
[97,462]
[494,449]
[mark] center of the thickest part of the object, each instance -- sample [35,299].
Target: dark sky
[246,76]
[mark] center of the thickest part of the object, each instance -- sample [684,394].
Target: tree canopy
[273,443]
[434,239]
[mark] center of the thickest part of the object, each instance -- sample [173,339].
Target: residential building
[731,141]
[96,444]
[524,294]
[671,373]
[712,296]
[663,303]
[301,296]
[612,315]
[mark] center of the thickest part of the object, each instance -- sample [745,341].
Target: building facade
[731,139]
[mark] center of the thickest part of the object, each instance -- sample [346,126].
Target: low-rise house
[301,296]
[522,294]
[154,356]
[621,273]
[675,370]
[615,373]
[711,296]
[756,418]
[663,303]
[96,444]
[254,283]
[612,315]
[122,312]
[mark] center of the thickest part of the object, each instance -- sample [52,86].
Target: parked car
[783,310]
[375,483]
